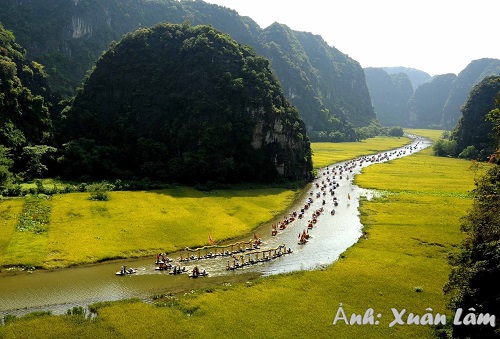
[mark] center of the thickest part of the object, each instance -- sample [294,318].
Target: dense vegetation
[476,266]
[26,133]
[401,263]
[326,86]
[476,71]
[183,104]
[474,135]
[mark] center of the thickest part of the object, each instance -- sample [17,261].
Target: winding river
[59,290]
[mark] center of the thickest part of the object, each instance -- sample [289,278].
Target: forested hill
[326,85]
[474,135]
[473,74]
[183,104]
[427,102]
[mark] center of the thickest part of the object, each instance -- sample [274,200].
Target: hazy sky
[435,36]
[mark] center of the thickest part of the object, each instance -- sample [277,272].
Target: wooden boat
[302,238]
[163,266]
[124,271]
[177,270]
[196,273]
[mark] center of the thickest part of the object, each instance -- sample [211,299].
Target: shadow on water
[59,290]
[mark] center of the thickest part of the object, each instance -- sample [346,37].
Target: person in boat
[196,271]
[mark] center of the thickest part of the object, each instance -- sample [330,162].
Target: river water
[331,235]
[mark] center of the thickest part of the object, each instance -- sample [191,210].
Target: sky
[434,36]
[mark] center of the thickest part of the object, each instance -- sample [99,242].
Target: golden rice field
[134,224]
[401,264]
[327,153]
[433,134]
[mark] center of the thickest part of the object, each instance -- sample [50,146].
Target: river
[57,291]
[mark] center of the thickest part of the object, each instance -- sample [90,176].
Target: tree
[396,131]
[473,281]
[5,165]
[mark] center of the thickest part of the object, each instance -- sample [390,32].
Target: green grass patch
[327,153]
[433,134]
[35,216]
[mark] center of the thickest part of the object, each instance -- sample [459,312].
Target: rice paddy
[327,153]
[135,224]
[401,263]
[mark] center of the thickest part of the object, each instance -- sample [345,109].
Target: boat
[124,271]
[196,272]
[163,266]
[177,270]
[303,238]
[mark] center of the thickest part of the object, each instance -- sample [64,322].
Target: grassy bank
[134,224]
[400,264]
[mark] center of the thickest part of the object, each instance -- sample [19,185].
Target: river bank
[62,289]
[394,266]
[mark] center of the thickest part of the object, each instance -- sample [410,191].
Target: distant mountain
[390,94]
[473,129]
[417,77]
[476,71]
[435,103]
[427,102]
[326,85]
[183,104]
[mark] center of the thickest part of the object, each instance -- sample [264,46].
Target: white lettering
[340,316]
[397,317]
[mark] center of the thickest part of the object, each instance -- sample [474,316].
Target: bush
[470,152]
[443,148]
[100,191]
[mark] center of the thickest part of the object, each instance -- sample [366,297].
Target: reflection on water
[60,290]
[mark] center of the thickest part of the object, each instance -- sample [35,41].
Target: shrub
[100,191]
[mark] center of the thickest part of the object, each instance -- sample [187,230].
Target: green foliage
[207,110]
[476,267]
[462,88]
[474,129]
[77,310]
[443,148]
[395,131]
[426,104]
[470,152]
[33,155]
[35,216]
[5,165]
[315,76]
[100,191]
[25,121]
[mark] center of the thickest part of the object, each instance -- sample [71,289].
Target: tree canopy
[183,104]
[473,282]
